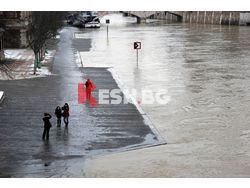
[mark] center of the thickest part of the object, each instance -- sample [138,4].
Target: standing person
[47,125]
[89,88]
[58,113]
[65,114]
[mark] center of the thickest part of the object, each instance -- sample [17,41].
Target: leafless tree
[44,26]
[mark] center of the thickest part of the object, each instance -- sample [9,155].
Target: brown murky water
[206,71]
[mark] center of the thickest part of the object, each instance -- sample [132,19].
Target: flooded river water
[206,72]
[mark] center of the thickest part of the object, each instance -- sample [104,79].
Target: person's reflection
[66,134]
[46,147]
[58,133]
[47,150]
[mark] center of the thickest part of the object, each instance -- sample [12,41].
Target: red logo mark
[85,94]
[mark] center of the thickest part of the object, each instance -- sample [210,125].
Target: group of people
[59,112]
[64,112]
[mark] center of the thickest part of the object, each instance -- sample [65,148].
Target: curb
[145,116]
[1,96]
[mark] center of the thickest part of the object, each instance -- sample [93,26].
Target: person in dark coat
[58,113]
[47,125]
[65,114]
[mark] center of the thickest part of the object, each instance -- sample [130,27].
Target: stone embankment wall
[206,17]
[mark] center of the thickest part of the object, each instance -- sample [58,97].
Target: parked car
[86,19]
[95,23]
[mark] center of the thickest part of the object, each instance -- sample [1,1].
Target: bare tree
[44,26]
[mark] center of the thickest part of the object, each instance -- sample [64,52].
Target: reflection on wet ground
[205,69]
[91,131]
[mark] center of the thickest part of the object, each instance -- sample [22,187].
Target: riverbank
[106,128]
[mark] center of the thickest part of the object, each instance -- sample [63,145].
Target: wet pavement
[91,131]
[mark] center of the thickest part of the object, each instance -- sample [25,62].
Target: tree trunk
[35,63]
[41,54]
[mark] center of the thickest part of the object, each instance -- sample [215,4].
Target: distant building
[245,18]
[16,28]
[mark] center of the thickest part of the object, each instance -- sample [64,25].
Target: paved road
[92,131]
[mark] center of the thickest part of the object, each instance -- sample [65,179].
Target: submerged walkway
[91,131]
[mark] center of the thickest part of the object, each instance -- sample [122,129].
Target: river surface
[206,72]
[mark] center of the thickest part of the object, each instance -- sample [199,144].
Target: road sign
[107,22]
[137,45]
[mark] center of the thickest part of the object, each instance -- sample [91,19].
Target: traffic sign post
[107,22]
[137,46]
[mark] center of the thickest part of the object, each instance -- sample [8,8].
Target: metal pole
[137,56]
[107,30]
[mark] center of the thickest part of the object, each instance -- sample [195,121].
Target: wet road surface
[91,131]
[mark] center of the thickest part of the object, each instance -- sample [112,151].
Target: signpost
[107,22]
[137,46]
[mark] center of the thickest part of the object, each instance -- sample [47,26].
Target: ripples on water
[205,69]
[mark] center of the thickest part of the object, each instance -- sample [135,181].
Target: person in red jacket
[89,88]
[65,114]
